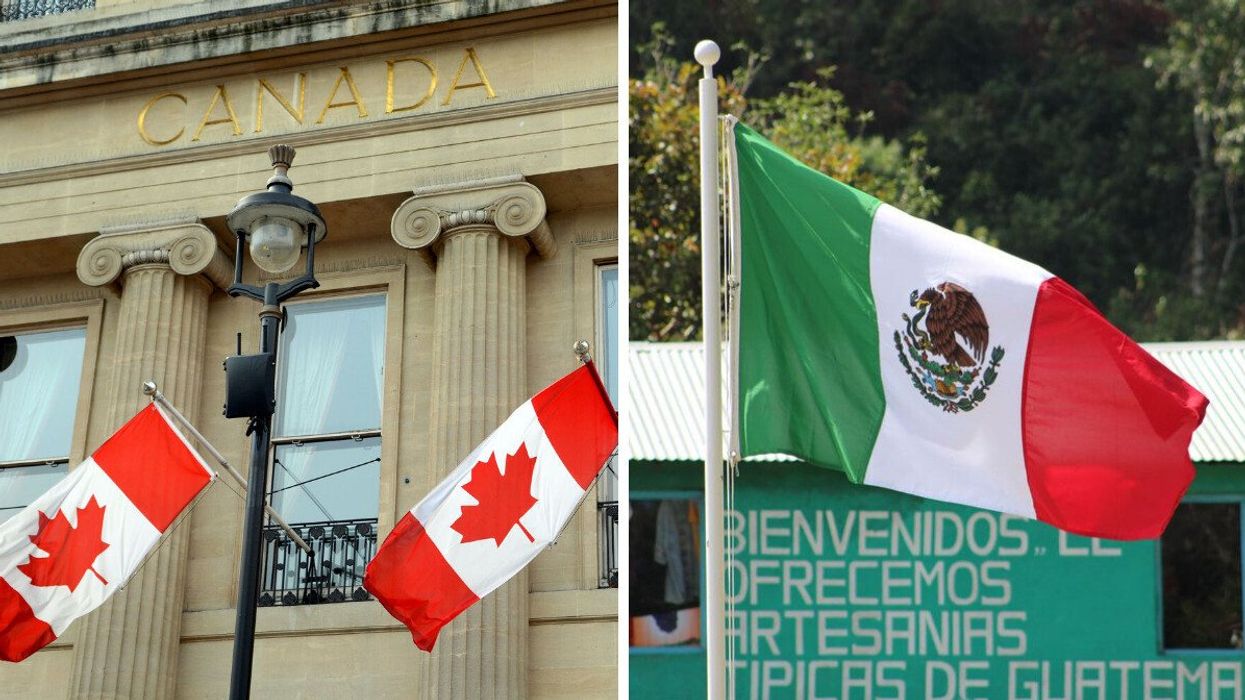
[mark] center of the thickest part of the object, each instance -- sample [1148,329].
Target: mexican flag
[924,361]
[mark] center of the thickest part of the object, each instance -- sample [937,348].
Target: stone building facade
[464,156]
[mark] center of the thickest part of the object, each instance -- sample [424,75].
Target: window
[40,375]
[665,572]
[1202,596]
[326,450]
[607,365]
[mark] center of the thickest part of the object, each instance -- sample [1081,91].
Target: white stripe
[972,457]
[481,564]
[126,530]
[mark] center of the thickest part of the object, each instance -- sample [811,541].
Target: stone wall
[80,170]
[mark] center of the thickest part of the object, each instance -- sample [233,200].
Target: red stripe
[580,423]
[415,583]
[1106,426]
[151,464]
[21,633]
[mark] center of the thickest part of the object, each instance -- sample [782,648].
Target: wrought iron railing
[607,538]
[11,10]
[332,574]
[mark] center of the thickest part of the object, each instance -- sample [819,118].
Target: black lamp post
[278,224]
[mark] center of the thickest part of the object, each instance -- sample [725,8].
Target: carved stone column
[128,647]
[478,235]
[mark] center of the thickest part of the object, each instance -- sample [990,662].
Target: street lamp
[279,224]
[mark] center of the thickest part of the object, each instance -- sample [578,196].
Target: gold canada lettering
[281,100]
[142,119]
[231,118]
[356,98]
[479,69]
[391,67]
[300,89]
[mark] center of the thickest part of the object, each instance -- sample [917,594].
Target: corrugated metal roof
[666,389]
[1217,369]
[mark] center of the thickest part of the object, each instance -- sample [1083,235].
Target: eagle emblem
[943,347]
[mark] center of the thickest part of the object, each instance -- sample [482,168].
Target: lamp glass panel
[276,244]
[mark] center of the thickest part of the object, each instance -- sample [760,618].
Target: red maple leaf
[71,550]
[503,498]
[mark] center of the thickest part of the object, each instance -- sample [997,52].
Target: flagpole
[707,54]
[150,389]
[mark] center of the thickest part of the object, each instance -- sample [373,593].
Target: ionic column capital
[509,204]
[188,247]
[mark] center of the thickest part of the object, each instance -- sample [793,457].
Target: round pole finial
[149,388]
[707,54]
[581,348]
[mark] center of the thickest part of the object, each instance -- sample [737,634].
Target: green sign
[841,591]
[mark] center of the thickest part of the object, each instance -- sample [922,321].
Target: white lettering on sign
[835,604]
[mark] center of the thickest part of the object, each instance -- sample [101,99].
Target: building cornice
[75,46]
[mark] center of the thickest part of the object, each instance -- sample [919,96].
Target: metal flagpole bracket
[150,389]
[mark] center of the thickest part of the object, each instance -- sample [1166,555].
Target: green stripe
[809,377]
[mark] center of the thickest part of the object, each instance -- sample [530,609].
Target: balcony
[607,543]
[342,549]
[333,573]
[13,10]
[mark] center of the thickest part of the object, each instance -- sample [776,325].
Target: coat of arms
[943,346]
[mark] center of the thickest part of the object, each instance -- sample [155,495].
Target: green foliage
[1093,137]
[809,120]
[664,201]
[1205,56]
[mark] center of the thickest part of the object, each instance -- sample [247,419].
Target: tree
[809,120]
[1205,56]
[1050,133]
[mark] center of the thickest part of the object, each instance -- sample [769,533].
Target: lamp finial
[282,156]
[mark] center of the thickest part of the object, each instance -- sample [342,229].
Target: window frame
[1163,649]
[598,284]
[87,315]
[313,438]
[673,495]
[388,282]
[589,256]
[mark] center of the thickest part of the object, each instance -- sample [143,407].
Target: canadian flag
[500,508]
[63,555]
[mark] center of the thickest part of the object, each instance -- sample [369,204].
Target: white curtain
[39,395]
[313,358]
[331,367]
[607,365]
[377,338]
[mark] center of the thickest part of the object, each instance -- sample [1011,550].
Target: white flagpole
[707,54]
